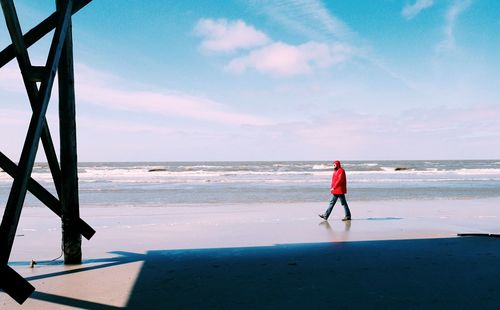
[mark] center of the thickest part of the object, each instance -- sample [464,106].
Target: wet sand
[393,254]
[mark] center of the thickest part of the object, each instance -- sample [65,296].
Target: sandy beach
[393,254]
[204,142]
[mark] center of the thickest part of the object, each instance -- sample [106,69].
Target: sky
[165,80]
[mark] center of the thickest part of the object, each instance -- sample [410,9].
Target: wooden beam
[38,32]
[19,186]
[20,51]
[11,282]
[72,239]
[14,28]
[45,196]
[36,73]
[15,285]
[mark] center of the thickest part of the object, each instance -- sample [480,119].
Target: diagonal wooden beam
[44,196]
[15,285]
[17,194]
[38,32]
[9,53]
[19,49]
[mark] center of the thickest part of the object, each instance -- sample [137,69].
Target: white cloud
[309,17]
[222,35]
[98,88]
[411,10]
[122,126]
[286,60]
[314,20]
[452,14]
[275,57]
[459,132]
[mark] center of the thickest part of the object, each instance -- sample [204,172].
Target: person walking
[338,190]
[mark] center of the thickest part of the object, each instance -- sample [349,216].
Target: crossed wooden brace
[11,282]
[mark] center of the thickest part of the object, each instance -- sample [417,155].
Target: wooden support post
[65,180]
[17,194]
[71,237]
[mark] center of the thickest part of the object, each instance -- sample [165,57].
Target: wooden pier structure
[66,205]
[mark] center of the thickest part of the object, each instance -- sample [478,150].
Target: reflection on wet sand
[339,232]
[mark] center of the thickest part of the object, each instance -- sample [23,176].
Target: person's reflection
[327,226]
[337,236]
[347,226]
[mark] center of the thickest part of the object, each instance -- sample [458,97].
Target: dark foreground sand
[265,258]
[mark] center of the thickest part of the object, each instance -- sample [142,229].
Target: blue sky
[274,80]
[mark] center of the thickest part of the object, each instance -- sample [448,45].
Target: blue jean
[342,201]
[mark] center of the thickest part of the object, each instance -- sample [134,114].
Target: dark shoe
[323,216]
[347,218]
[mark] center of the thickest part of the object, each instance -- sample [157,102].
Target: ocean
[160,184]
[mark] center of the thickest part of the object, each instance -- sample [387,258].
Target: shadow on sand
[452,273]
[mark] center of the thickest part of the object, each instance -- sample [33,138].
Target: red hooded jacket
[339,181]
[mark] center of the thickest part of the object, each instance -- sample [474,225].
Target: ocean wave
[218,181]
[143,175]
[472,170]
[360,164]
[322,167]
[488,171]
[422,180]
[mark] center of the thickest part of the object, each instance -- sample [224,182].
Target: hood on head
[337,163]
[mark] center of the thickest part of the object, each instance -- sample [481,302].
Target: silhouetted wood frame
[60,59]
